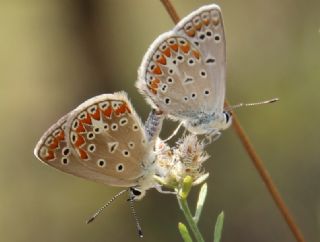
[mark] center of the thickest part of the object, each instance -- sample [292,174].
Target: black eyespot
[210,60]
[202,36]
[193,95]
[120,167]
[96,130]
[170,80]
[65,160]
[90,135]
[167,100]
[209,33]
[196,43]
[101,162]
[103,105]
[206,92]
[190,61]
[170,71]
[180,57]
[91,147]
[203,73]
[217,37]
[185,98]
[174,62]
[65,151]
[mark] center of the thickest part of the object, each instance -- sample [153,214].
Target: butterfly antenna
[135,217]
[104,206]
[173,133]
[251,104]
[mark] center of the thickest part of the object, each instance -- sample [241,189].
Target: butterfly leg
[211,137]
[173,133]
[153,124]
[159,189]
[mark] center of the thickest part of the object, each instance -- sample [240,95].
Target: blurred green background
[56,54]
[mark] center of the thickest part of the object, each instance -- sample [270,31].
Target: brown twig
[257,161]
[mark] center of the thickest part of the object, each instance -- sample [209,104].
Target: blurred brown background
[56,54]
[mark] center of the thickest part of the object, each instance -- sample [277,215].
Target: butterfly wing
[183,73]
[52,149]
[108,137]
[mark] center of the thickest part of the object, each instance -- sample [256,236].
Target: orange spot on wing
[49,156]
[167,52]
[206,21]
[191,33]
[60,136]
[122,109]
[162,60]
[54,144]
[196,54]
[96,115]
[80,141]
[87,120]
[185,48]
[198,26]
[174,47]
[157,70]
[80,128]
[83,155]
[108,112]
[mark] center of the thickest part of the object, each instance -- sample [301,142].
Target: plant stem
[183,204]
[257,161]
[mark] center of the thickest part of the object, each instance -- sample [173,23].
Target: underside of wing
[183,72]
[107,136]
[52,149]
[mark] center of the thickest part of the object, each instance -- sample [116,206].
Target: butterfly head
[207,124]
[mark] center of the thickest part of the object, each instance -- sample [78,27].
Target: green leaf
[218,228]
[200,203]
[184,232]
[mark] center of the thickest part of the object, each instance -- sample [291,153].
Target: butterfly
[183,73]
[104,140]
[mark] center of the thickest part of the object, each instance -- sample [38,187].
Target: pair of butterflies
[182,76]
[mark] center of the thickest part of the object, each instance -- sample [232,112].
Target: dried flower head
[185,159]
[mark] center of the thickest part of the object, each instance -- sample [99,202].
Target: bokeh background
[56,54]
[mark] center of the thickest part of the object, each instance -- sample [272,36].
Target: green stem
[187,213]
